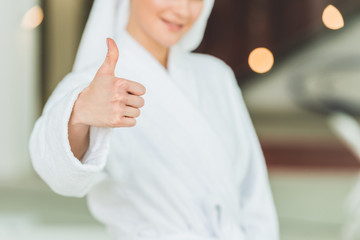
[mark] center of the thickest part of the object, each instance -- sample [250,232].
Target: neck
[158,51]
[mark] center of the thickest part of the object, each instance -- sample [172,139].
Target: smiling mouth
[173,26]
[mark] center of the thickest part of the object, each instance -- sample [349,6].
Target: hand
[109,101]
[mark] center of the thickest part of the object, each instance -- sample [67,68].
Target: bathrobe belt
[222,228]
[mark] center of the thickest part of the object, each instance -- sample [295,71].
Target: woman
[190,166]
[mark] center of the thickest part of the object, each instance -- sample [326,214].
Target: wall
[19,96]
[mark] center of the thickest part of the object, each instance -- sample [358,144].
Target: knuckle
[114,122]
[122,99]
[118,97]
[121,83]
[115,97]
[123,112]
[115,110]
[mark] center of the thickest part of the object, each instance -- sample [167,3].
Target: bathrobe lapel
[165,101]
[183,149]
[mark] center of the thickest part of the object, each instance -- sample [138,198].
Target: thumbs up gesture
[109,101]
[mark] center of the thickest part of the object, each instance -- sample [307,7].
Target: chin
[169,44]
[168,40]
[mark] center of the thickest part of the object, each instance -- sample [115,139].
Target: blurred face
[163,21]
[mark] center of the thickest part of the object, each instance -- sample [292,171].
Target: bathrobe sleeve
[49,146]
[258,210]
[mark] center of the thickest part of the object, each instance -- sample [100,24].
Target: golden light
[332,18]
[261,60]
[32,18]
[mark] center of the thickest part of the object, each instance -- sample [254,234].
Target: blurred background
[297,63]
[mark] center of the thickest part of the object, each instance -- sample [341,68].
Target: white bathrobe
[191,168]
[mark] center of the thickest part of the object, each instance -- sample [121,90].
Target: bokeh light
[32,18]
[261,60]
[332,18]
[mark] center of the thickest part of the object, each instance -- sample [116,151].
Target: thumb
[108,67]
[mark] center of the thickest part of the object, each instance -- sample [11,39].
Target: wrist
[75,118]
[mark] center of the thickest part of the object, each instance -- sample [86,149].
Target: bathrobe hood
[109,17]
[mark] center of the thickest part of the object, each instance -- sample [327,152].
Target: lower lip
[174,28]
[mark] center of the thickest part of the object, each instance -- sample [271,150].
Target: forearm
[51,152]
[78,132]
[79,138]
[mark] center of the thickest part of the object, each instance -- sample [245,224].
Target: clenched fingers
[135,101]
[128,122]
[135,88]
[131,112]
